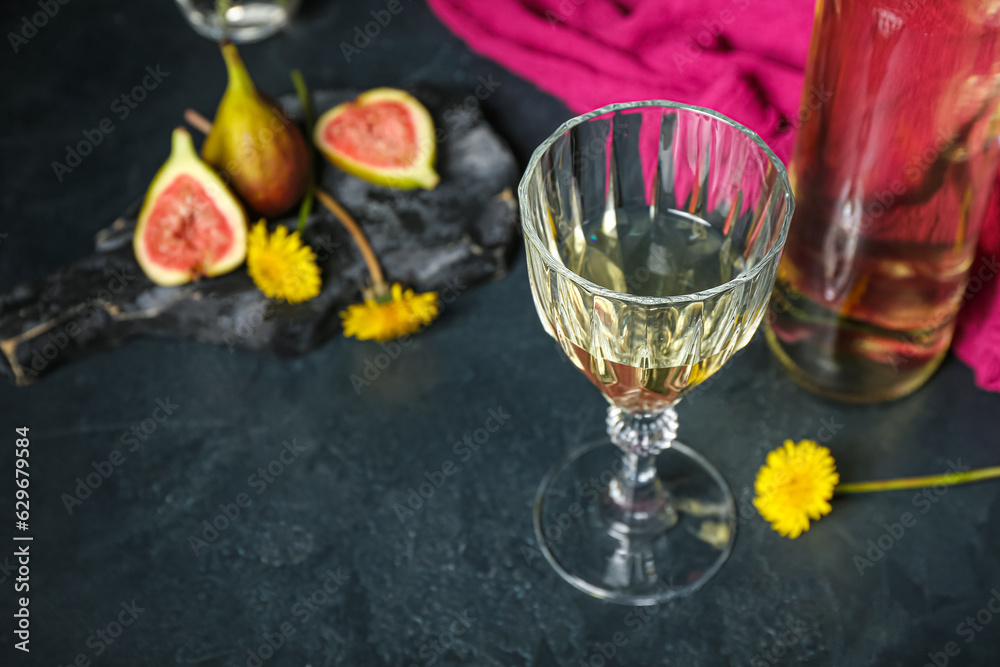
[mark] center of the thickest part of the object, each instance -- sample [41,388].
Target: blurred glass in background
[238,21]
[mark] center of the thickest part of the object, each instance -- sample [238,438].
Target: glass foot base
[672,552]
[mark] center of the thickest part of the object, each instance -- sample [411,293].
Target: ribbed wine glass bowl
[653,232]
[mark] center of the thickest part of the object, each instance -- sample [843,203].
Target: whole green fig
[256,144]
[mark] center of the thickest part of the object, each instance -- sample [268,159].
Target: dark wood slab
[451,238]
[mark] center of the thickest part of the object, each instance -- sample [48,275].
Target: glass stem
[636,501]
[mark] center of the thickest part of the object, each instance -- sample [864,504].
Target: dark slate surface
[447,239]
[329,513]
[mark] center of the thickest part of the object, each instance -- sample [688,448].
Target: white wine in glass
[653,232]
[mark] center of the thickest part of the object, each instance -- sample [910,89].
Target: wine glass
[238,20]
[653,232]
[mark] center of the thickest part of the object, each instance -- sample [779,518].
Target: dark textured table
[318,561]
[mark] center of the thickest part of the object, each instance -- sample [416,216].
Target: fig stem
[239,77]
[197,121]
[202,124]
[378,281]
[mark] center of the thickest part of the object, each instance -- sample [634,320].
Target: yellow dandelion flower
[384,319]
[281,265]
[795,485]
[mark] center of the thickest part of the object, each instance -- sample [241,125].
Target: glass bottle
[892,171]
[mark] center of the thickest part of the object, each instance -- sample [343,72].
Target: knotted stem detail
[642,434]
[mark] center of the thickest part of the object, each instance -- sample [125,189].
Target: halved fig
[385,137]
[190,224]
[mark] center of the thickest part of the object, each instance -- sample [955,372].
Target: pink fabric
[977,338]
[744,58]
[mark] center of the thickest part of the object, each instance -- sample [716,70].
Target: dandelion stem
[378,281]
[947,479]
